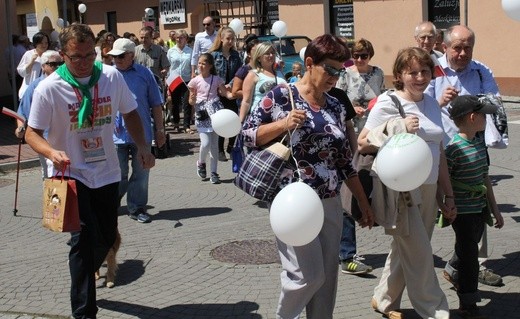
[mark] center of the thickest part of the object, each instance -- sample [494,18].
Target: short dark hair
[79,32]
[327,46]
[38,38]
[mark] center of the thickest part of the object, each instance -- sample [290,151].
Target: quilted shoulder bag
[259,175]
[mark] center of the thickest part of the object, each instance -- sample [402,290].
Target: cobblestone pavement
[167,268]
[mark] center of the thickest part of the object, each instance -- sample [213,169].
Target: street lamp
[148,12]
[82,8]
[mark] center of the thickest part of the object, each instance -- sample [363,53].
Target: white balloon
[279,28]
[55,36]
[296,214]
[82,8]
[302,53]
[237,25]
[404,162]
[149,12]
[512,8]
[225,123]
[60,23]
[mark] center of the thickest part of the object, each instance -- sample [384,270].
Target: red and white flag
[12,113]
[173,81]
[438,70]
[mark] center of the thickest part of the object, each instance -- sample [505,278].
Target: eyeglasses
[77,58]
[332,71]
[206,24]
[54,64]
[363,56]
[121,56]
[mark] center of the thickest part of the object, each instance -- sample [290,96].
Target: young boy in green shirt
[474,198]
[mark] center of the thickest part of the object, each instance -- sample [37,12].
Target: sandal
[190,131]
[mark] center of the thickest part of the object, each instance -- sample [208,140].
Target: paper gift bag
[60,205]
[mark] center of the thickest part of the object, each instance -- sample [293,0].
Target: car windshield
[290,46]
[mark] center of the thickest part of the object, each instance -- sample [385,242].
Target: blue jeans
[347,246]
[136,187]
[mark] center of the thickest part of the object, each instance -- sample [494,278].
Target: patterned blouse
[320,147]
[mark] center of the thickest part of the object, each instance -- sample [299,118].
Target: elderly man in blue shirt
[462,76]
[141,82]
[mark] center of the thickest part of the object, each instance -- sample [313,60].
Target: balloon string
[290,136]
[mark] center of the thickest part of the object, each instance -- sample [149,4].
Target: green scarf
[85,109]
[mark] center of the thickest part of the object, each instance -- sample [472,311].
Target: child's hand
[499,220]
[448,208]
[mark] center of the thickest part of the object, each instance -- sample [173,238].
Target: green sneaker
[354,267]
[488,277]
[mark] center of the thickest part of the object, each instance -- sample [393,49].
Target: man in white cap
[141,82]
[50,61]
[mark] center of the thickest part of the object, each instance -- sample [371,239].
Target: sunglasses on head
[54,64]
[363,56]
[332,71]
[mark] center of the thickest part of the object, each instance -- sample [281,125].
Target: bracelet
[287,122]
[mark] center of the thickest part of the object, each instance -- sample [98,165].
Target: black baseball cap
[465,104]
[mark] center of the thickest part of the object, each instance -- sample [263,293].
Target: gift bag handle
[62,171]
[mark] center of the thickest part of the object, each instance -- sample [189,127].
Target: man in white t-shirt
[77,104]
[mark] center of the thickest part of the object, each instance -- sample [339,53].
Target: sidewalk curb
[11,166]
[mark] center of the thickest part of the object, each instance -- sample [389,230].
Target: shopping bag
[60,204]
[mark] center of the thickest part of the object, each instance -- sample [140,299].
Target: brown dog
[111,263]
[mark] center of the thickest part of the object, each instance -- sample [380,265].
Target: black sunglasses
[363,56]
[54,64]
[332,71]
[206,24]
[121,56]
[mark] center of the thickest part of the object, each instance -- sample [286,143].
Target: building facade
[388,24]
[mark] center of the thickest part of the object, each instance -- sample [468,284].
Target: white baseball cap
[122,45]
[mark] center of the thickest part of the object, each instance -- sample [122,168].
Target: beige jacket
[390,207]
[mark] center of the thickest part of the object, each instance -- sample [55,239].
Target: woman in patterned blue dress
[323,158]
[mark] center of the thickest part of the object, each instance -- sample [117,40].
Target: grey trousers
[309,275]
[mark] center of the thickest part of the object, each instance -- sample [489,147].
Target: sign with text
[172,11]
[272,11]
[444,13]
[342,18]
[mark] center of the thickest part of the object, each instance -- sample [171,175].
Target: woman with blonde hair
[261,79]
[227,63]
